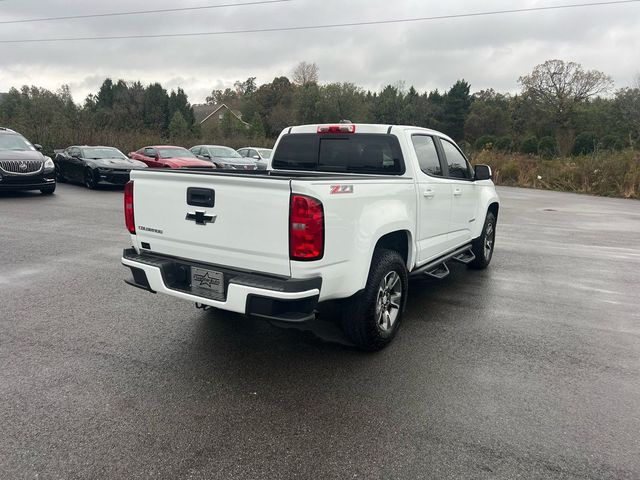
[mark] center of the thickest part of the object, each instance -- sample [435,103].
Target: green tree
[504,144]
[547,147]
[178,126]
[257,127]
[585,143]
[388,106]
[306,100]
[559,87]
[457,103]
[156,108]
[178,102]
[530,145]
[489,114]
[342,101]
[485,142]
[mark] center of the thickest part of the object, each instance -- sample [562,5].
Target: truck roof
[363,128]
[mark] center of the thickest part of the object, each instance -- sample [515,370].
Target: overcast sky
[489,52]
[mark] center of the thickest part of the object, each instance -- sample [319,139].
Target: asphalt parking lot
[530,369]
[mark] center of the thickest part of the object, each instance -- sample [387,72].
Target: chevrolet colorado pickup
[344,212]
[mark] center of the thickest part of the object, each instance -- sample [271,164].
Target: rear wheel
[90,180]
[483,246]
[372,317]
[48,190]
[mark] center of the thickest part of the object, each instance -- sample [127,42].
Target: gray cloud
[486,51]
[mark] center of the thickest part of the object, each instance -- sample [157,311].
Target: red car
[166,156]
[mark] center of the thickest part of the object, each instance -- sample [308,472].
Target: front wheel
[483,246]
[48,190]
[90,179]
[372,317]
[59,176]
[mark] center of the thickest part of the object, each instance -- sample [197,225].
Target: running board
[438,268]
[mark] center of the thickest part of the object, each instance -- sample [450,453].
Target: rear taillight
[306,228]
[342,128]
[128,207]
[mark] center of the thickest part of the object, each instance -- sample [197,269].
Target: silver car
[223,157]
[261,156]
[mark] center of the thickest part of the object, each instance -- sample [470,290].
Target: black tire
[362,320]
[484,245]
[90,180]
[48,190]
[59,176]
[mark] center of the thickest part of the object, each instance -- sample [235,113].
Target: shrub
[504,144]
[585,144]
[530,145]
[485,142]
[611,143]
[547,147]
[510,173]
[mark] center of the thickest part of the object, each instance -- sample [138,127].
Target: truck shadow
[430,300]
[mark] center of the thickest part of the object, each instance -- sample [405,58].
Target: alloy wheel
[388,301]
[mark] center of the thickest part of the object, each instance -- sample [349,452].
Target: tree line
[561,109]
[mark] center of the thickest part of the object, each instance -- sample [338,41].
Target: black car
[23,166]
[94,165]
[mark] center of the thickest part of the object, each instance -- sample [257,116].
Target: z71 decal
[339,189]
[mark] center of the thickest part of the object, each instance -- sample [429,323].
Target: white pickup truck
[344,212]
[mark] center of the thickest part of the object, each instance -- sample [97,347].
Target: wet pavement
[530,369]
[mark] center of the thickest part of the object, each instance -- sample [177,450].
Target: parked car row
[24,167]
[204,156]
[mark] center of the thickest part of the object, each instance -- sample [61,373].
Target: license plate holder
[207,280]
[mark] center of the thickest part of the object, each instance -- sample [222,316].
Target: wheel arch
[494,208]
[399,241]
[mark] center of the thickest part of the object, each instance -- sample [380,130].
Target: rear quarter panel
[354,222]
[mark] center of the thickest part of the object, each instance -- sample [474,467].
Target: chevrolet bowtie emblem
[201,218]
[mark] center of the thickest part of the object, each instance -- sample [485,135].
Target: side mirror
[256,157]
[38,146]
[206,155]
[483,172]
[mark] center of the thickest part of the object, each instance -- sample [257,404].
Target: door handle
[429,193]
[457,192]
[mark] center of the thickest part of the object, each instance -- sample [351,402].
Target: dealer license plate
[207,280]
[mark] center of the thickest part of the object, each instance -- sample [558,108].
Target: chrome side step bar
[438,268]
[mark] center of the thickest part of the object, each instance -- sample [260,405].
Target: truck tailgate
[246,228]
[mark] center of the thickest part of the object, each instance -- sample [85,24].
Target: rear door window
[359,153]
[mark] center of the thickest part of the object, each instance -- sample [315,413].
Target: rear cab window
[350,153]
[427,155]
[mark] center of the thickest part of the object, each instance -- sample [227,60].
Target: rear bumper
[274,298]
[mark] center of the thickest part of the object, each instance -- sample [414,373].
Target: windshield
[175,152]
[224,152]
[98,153]
[265,152]
[14,142]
